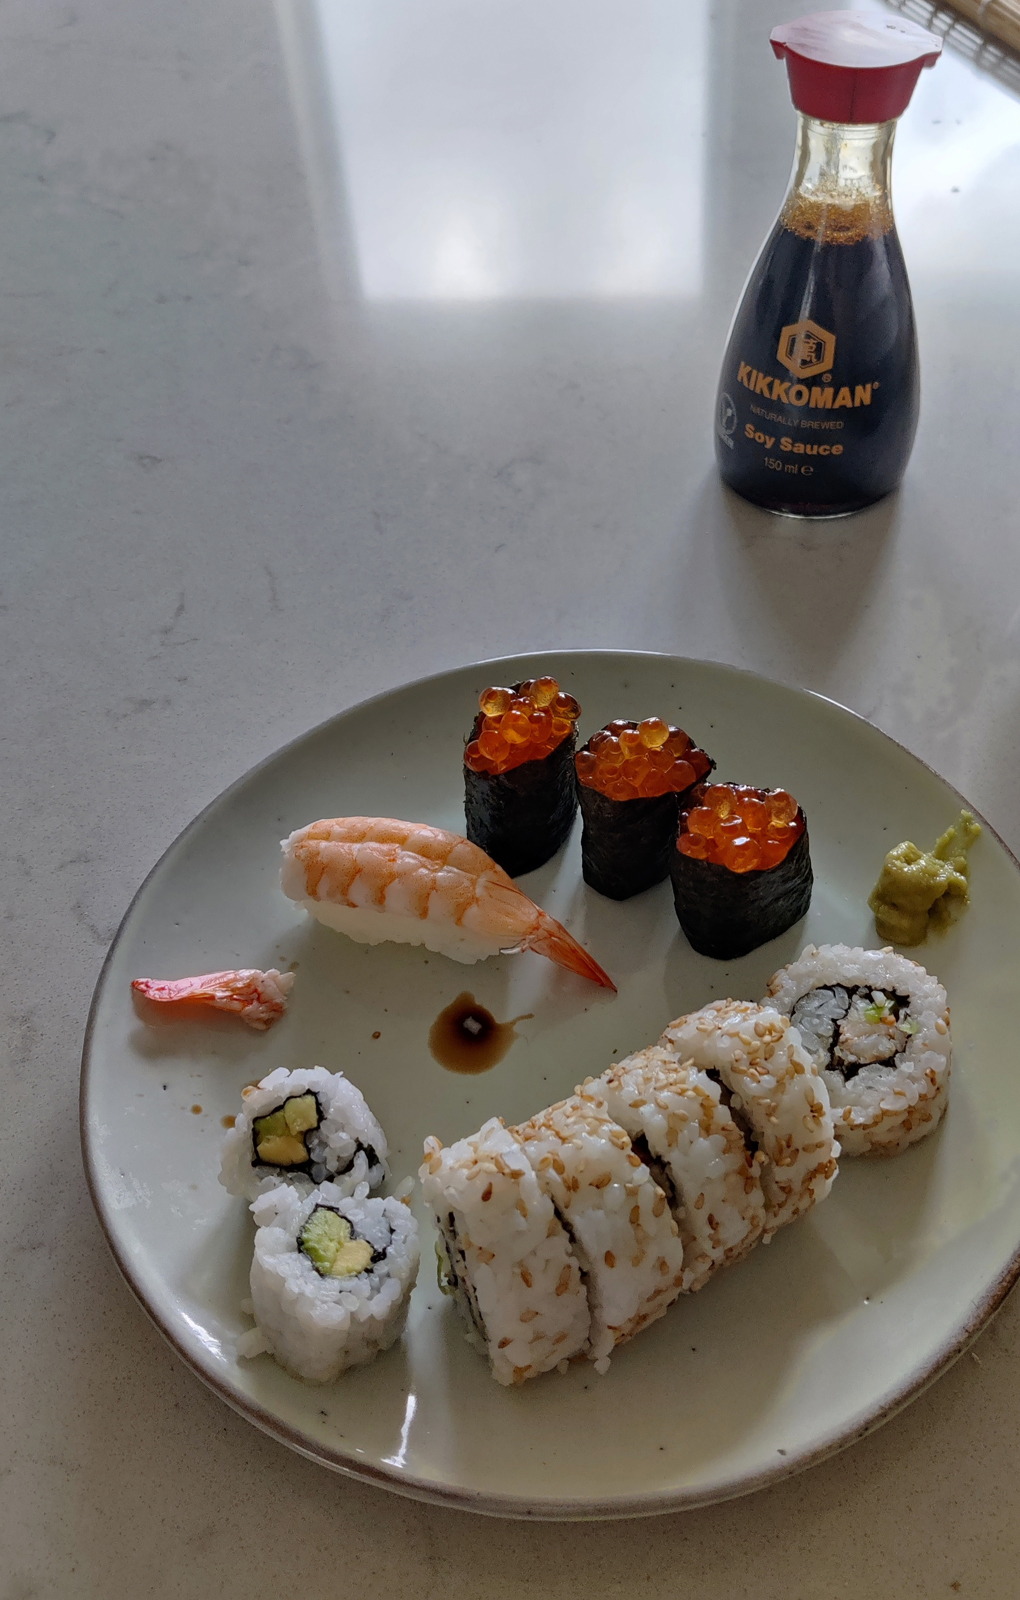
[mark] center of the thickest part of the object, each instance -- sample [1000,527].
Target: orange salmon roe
[640,760]
[518,725]
[747,830]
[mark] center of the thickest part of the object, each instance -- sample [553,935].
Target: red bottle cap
[854,66]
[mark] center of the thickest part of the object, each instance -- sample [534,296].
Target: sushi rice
[504,1255]
[676,1117]
[877,1027]
[317,1325]
[618,1218]
[347,1145]
[773,1088]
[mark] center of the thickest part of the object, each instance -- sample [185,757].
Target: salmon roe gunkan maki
[741,869]
[519,797]
[632,777]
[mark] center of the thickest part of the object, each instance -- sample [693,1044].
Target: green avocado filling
[279,1137]
[918,890]
[327,1240]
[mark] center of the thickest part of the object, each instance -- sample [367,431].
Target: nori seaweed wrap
[741,869]
[632,779]
[519,794]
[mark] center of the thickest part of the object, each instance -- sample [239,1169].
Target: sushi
[504,1256]
[376,879]
[877,1027]
[585,1223]
[632,778]
[741,868]
[773,1092]
[331,1278]
[519,795]
[679,1123]
[303,1128]
[618,1217]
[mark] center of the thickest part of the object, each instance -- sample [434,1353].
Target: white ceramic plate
[779,1362]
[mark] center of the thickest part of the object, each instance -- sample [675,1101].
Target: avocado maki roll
[331,1278]
[741,868]
[632,778]
[519,797]
[303,1128]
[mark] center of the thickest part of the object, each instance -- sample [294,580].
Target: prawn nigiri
[258,997]
[377,879]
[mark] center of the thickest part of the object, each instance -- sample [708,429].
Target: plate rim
[516,1507]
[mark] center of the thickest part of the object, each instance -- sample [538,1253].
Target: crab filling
[853,1026]
[329,1242]
[279,1138]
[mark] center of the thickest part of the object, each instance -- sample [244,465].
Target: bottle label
[818,393]
[805,348]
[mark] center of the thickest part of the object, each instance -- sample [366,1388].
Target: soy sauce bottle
[818,395]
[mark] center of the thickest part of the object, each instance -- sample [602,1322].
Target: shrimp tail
[551,939]
[258,997]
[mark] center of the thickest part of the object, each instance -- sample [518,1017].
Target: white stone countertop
[344,341]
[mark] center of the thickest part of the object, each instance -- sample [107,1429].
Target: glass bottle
[818,395]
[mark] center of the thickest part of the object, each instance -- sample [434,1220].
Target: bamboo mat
[987,32]
[1000,18]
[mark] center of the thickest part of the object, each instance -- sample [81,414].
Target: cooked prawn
[258,997]
[376,879]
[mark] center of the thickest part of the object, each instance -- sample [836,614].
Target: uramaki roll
[877,1027]
[772,1088]
[618,1218]
[681,1127]
[504,1255]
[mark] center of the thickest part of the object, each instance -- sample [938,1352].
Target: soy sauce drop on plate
[465,1037]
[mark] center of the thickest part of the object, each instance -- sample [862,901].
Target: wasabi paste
[918,890]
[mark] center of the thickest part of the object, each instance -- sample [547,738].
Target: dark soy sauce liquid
[856,290]
[465,1037]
